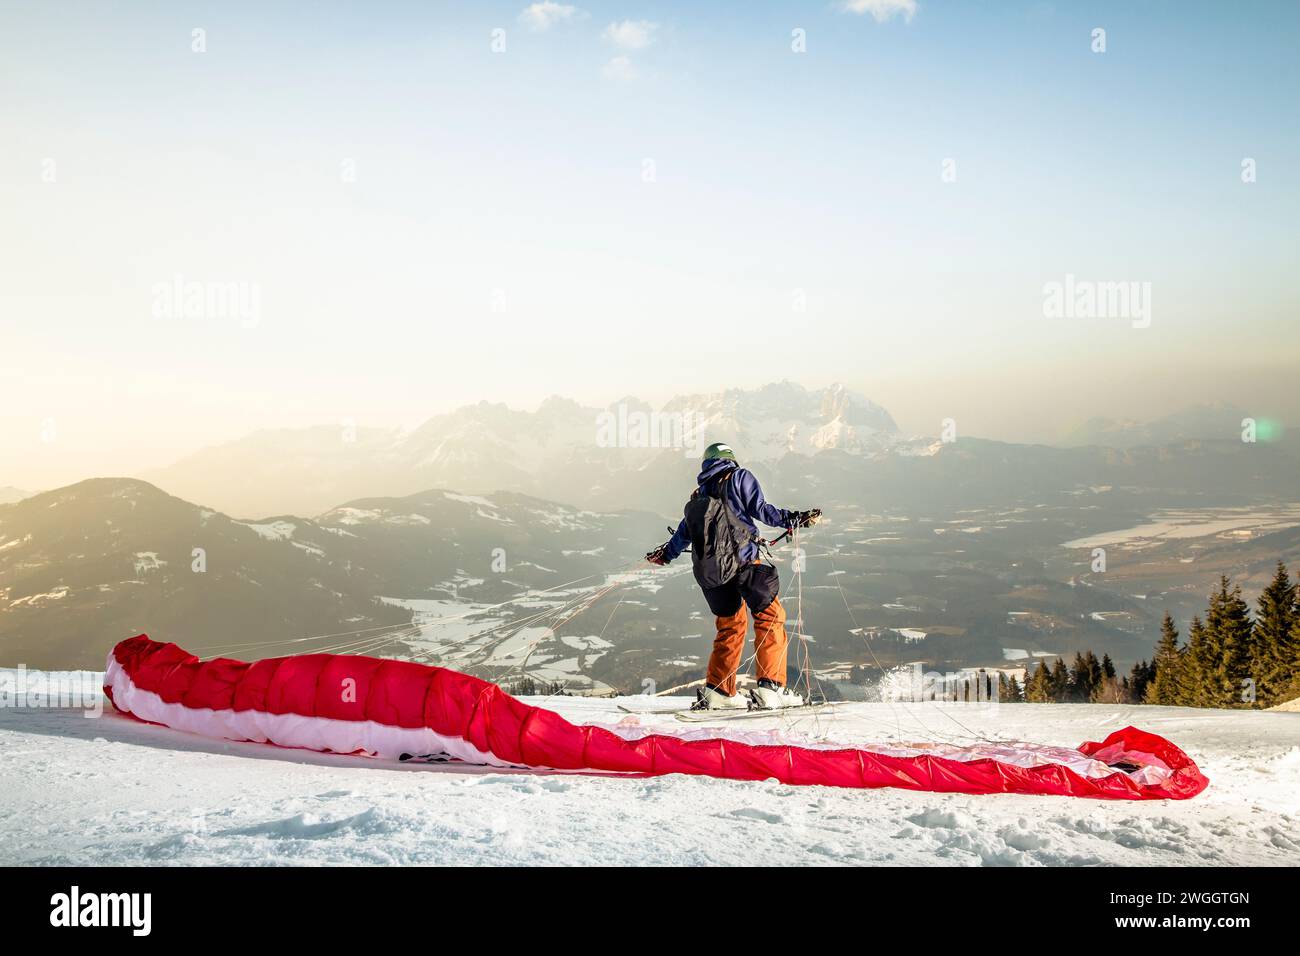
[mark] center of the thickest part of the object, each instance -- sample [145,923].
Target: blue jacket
[743,496]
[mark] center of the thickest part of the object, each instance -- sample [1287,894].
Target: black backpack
[717,535]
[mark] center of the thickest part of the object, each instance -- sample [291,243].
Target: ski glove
[805,519]
[657,555]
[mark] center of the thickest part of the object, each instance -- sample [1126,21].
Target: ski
[703,716]
[707,716]
[646,713]
[671,713]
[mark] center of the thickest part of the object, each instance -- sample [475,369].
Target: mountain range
[10,494]
[110,557]
[1206,422]
[965,542]
[620,456]
[826,444]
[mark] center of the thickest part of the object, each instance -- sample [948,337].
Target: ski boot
[710,698]
[769,695]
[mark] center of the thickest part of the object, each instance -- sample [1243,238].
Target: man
[719,525]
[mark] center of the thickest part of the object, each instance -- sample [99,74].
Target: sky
[220,217]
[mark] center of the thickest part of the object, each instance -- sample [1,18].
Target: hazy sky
[632,198]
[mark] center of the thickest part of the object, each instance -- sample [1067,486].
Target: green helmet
[719,450]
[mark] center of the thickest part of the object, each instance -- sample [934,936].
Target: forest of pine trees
[1230,659]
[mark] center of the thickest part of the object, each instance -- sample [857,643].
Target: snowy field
[1184,524]
[110,790]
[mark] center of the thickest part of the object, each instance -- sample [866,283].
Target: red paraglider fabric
[353,704]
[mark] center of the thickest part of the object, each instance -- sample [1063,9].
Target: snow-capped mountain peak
[564,450]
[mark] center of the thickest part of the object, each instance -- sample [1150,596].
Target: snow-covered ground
[1195,523]
[110,790]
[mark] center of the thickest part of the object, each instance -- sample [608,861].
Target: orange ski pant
[770,640]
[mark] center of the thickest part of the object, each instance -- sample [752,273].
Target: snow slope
[114,791]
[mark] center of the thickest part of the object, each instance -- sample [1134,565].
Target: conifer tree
[1198,663]
[1273,644]
[1289,685]
[1167,687]
[1228,627]
[1038,688]
[1008,688]
[1078,684]
[1095,673]
[1107,666]
[1093,676]
[1108,689]
[1138,679]
[1015,694]
[1059,685]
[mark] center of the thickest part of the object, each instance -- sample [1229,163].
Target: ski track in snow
[81,791]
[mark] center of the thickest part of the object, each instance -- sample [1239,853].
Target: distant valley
[526,561]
